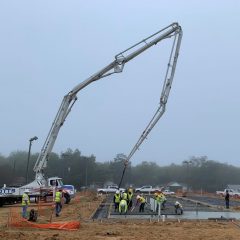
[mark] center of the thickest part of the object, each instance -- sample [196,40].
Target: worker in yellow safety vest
[160,199]
[58,201]
[129,197]
[124,195]
[25,203]
[116,200]
[163,199]
[123,206]
[142,201]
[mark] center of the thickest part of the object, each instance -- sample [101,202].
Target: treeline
[198,173]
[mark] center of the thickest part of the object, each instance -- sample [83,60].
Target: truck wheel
[67,198]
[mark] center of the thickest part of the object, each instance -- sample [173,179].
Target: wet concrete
[102,211]
[186,215]
[194,207]
[215,201]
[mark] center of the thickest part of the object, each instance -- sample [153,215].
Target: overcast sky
[48,47]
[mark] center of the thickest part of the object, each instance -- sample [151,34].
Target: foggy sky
[48,47]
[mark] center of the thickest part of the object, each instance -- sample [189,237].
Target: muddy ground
[83,207]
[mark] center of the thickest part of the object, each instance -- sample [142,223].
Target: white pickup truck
[146,189]
[231,192]
[109,189]
[168,192]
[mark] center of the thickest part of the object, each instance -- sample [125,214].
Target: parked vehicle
[168,192]
[231,192]
[146,189]
[71,190]
[109,189]
[11,195]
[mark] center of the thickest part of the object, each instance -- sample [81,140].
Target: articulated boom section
[173,30]
[177,34]
[62,113]
[165,92]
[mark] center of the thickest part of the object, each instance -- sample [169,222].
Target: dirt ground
[84,206]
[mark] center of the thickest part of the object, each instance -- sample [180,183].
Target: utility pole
[188,163]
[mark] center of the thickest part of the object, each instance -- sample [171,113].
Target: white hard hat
[138,196]
[117,192]
[177,203]
[26,191]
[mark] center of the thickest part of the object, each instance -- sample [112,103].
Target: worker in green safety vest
[163,200]
[123,206]
[129,197]
[124,195]
[25,203]
[160,199]
[141,200]
[58,201]
[116,200]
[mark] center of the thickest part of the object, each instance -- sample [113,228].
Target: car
[168,192]
[146,189]
[110,189]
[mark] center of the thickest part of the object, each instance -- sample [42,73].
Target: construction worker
[33,215]
[25,203]
[129,197]
[116,200]
[124,195]
[163,200]
[178,208]
[123,206]
[141,200]
[130,188]
[58,201]
[227,196]
[157,197]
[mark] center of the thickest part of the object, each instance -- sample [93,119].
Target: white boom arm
[173,30]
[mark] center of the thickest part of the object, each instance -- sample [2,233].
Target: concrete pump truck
[46,185]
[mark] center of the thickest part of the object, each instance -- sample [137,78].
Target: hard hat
[117,192]
[26,191]
[138,196]
[177,203]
